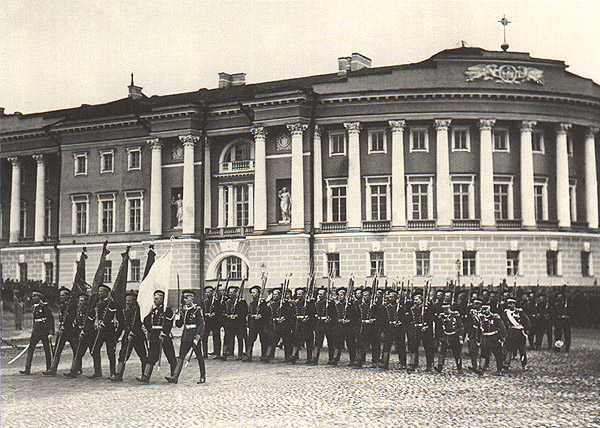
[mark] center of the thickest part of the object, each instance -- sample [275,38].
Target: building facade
[472,164]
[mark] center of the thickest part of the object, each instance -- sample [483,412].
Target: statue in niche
[285,203]
[177,202]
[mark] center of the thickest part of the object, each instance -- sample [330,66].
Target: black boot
[202,370]
[175,376]
[147,373]
[316,353]
[118,377]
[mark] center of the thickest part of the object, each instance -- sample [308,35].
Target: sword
[19,356]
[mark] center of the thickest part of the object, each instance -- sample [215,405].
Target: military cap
[131,293]
[184,292]
[159,292]
[208,287]
[83,293]
[511,299]
[63,288]
[486,305]
[340,289]
[445,305]
[233,287]
[37,293]
[103,286]
[255,287]
[476,300]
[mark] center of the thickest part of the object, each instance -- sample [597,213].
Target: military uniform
[543,322]
[84,326]
[450,333]
[159,323]
[302,328]
[104,312]
[344,329]
[420,330]
[43,326]
[259,318]
[236,311]
[213,316]
[367,332]
[394,332]
[282,316]
[325,320]
[562,323]
[518,327]
[493,333]
[133,338]
[473,336]
[67,310]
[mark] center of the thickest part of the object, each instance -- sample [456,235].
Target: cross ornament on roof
[504,23]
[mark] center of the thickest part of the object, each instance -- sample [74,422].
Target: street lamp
[458,272]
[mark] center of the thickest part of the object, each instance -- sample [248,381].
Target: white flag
[157,279]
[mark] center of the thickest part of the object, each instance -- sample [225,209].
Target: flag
[149,261]
[157,279]
[99,277]
[120,286]
[79,281]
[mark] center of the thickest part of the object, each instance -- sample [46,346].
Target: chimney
[238,79]
[359,61]
[135,92]
[344,65]
[224,80]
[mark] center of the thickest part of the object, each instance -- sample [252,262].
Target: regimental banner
[504,73]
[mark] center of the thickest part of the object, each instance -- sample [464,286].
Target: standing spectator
[19,310]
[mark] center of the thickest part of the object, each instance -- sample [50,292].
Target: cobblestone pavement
[557,390]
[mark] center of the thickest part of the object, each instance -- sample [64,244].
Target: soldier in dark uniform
[104,313]
[529,306]
[562,323]
[133,336]
[367,329]
[159,323]
[67,309]
[493,333]
[283,314]
[420,330]
[191,320]
[213,315]
[544,322]
[259,317]
[393,320]
[84,326]
[236,311]
[518,328]
[450,333]
[346,317]
[43,329]
[473,334]
[302,327]
[325,319]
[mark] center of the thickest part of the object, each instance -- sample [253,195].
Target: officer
[67,309]
[104,312]
[259,317]
[493,333]
[325,320]
[191,319]
[43,329]
[159,323]
[450,333]
[236,312]
[518,328]
[562,323]
[134,336]
[84,326]
[213,315]
[420,322]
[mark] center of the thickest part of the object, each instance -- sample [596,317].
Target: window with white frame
[333,265]
[586,264]
[236,205]
[537,141]
[106,212]
[108,271]
[134,208]
[423,263]
[107,161]
[134,158]
[376,263]
[378,194]
[469,263]
[336,200]
[512,262]
[22,271]
[573,199]
[337,143]
[232,267]
[23,218]
[79,214]
[419,140]
[540,194]
[420,191]
[377,141]
[48,218]
[503,198]
[80,163]
[464,198]
[49,272]
[552,263]
[241,201]
[501,141]
[461,139]
[135,270]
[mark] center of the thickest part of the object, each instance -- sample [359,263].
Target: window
[586,263]
[23,219]
[421,201]
[569,144]
[377,267]
[48,218]
[537,141]
[377,141]
[337,201]
[134,158]
[573,199]
[80,167]
[232,267]
[377,198]
[22,272]
[419,140]
[241,205]
[135,270]
[333,265]
[134,211]
[464,199]
[461,139]
[236,205]
[552,263]
[423,259]
[469,262]
[79,214]
[540,192]
[49,272]
[501,143]
[108,271]
[107,161]
[512,263]
[337,143]
[106,213]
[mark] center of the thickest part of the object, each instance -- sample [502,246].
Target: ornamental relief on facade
[284,142]
[177,152]
[504,74]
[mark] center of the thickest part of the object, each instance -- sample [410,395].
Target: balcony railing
[547,224]
[470,224]
[579,225]
[229,232]
[376,225]
[237,166]
[334,226]
[506,224]
[421,224]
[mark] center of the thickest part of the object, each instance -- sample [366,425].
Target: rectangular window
[552,263]
[107,161]
[461,201]
[81,219]
[337,143]
[469,261]
[108,271]
[501,143]
[537,142]
[333,265]
[512,263]
[80,166]
[540,193]
[461,139]
[338,203]
[377,141]
[134,203]
[377,267]
[378,202]
[420,203]
[423,259]
[134,158]
[49,272]
[241,205]
[22,272]
[501,201]
[419,141]
[135,270]
[107,212]
[586,264]
[573,199]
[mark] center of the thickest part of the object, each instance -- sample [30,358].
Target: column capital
[297,128]
[317,131]
[527,125]
[39,158]
[14,161]
[189,140]
[259,132]
[352,127]
[486,124]
[563,128]
[442,124]
[592,131]
[397,125]
[154,143]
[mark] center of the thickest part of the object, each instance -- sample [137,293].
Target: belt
[419,325]
[40,320]
[157,327]
[189,326]
[489,333]
[451,333]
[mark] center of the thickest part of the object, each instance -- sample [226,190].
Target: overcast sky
[63,53]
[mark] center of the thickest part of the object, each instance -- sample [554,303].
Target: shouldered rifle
[240,293]
[225,289]
[284,289]
[263,290]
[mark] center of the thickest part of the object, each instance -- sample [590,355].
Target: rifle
[284,288]
[178,294]
[349,293]
[263,290]
[425,297]
[225,289]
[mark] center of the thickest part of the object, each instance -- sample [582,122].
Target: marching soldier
[493,333]
[450,333]
[345,327]
[420,322]
[133,336]
[367,330]
[159,323]
[283,314]
[394,315]
[236,311]
[543,314]
[562,322]
[43,329]
[302,327]
[66,331]
[213,314]
[529,306]
[518,327]
[192,321]
[473,333]
[104,312]
[325,319]
[84,326]
[259,318]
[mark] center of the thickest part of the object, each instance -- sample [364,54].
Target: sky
[63,53]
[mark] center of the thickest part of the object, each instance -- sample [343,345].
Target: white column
[297,131]
[398,183]
[207,186]
[486,172]
[354,197]
[527,196]
[156,209]
[250,204]
[15,201]
[562,176]
[318,179]
[189,189]
[40,198]
[260,179]
[591,180]
[230,203]
[442,178]
[221,207]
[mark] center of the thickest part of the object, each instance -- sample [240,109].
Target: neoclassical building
[474,164]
